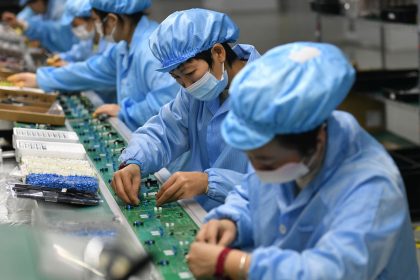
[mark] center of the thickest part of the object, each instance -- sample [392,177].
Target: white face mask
[82,33]
[208,87]
[285,173]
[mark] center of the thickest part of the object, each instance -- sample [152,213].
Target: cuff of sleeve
[133,161]
[121,113]
[42,75]
[214,190]
[124,114]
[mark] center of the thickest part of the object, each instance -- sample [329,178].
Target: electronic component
[49,149]
[44,135]
[85,184]
[42,165]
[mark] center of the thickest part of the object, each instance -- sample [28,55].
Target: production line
[142,139]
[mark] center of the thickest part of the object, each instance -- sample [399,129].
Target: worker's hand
[56,61]
[182,185]
[126,184]
[10,19]
[220,232]
[60,63]
[202,258]
[23,80]
[107,109]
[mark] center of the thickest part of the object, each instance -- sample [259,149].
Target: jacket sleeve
[26,14]
[236,208]
[221,182]
[158,89]
[51,33]
[354,246]
[79,52]
[97,73]
[163,138]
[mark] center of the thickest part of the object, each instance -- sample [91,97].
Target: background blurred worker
[41,21]
[129,65]
[78,13]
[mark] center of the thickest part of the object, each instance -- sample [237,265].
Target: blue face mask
[208,87]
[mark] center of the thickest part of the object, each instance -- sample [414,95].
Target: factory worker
[325,200]
[129,66]
[26,12]
[41,21]
[78,14]
[193,46]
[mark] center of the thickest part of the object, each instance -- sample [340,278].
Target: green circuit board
[166,232]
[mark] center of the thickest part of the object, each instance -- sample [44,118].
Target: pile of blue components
[85,184]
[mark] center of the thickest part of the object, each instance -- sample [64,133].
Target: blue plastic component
[85,184]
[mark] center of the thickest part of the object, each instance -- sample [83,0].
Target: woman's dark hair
[206,55]
[134,18]
[32,1]
[304,143]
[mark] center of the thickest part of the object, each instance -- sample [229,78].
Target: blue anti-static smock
[84,50]
[350,222]
[25,14]
[188,124]
[141,90]
[47,28]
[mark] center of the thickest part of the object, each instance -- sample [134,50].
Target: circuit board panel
[165,232]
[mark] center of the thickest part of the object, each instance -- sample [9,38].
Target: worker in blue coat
[26,11]
[41,21]
[325,200]
[192,45]
[78,14]
[129,66]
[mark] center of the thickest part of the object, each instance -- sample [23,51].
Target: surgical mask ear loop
[110,37]
[223,71]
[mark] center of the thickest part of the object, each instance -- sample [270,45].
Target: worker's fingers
[136,180]
[100,110]
[55,58]
[23,79]
[166,185]
[177,196]
[119,189]
[113,183]
[201,235]
[135,188]
[129,188]
[212,232]
[60,63]
[168,194]
[226,238]
[15,78]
